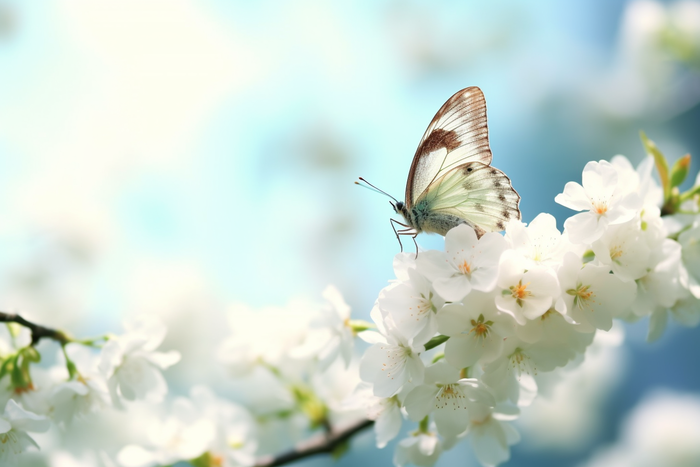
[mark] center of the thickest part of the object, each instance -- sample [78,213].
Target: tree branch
[38,332]
[321,444]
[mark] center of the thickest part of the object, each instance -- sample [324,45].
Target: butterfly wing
[475,193]
[457,134]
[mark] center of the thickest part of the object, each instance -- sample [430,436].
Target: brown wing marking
[457,134]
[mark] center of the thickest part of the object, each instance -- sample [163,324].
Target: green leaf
[661,164]
[438,356]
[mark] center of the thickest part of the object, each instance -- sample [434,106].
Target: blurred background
[179,157]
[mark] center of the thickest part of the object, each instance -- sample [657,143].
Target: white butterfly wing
[457,134]
[477,193]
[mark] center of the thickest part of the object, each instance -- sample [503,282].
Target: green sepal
[588,256]
[661,164]
[7,365]
[438,356]
[435,341]
[358,325]
[31,354]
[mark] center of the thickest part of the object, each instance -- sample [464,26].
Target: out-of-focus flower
[133,367]
[421,449]
[14,425]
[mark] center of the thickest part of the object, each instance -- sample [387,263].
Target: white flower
[467,263]
[131,365]
[234,442]
[14,425]
[74,398]
[270,336]
[540,243]
[85,394]
[183,436]
[605,198]
[490,439]
[476,330]
[622,249]
[331,335]
[412,306]
[690,243]
[390,363]
[662,286]
[525,294]
[421,449]
[448,397]
[386,412]
[591,296]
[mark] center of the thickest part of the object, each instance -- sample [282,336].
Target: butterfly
[451,180]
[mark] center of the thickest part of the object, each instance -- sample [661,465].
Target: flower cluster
[464,335]
[127,368]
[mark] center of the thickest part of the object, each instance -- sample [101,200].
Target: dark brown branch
[323,444]
[38,332]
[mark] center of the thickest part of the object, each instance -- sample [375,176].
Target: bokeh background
[178,157]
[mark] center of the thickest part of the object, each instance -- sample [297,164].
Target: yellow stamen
[519,291]
[465,268]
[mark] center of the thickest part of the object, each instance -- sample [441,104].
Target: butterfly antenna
[369,186]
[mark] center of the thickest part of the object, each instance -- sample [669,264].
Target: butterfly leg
[394,221]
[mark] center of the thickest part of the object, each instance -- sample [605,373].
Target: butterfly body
[451,180]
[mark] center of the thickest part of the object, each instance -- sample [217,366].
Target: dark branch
[38,332]
[323,444]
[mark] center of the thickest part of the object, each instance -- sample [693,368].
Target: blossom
[86,393]
[591,296]
[422,449]
[622,249]
[603,196]
[131,365]
[540,243]
[476,330]
[467,263]
[525,294]
[690,243]
[391,362]
[490,439]
[412,306]
[14,425]
[448,397]
[333,335]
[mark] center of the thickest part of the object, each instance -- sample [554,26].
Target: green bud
[679,171]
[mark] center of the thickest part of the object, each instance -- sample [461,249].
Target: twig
[38,332]
[317,445]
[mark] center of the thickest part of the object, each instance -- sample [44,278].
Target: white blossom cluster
[511,307]
[463,340]
[126,368]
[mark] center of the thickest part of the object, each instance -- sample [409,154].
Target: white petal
[419,402]
[388,425]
